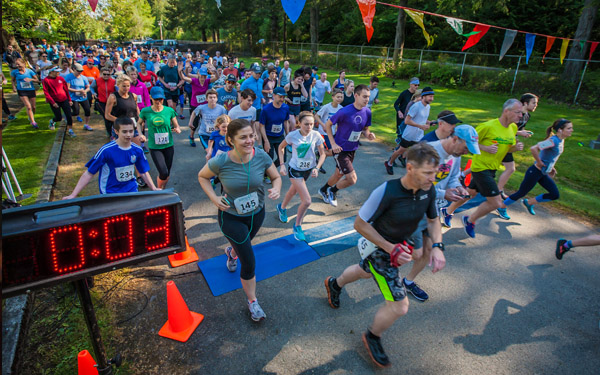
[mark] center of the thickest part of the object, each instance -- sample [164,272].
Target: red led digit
[113,232]
[26,260]
[58,236]
[162,228]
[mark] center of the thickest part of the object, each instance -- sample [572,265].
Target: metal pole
[301,48]
[388,54]
[360,59]
[515,78]
[337,55]
[463,66]
[580,81]
[420,59]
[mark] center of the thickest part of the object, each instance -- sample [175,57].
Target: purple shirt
[350,123]
[199,92]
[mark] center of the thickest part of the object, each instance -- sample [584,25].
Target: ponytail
[557,125]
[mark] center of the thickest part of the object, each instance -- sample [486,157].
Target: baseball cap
[157,93]
[55,69]
[69,55]
[90,60]
[78,67]
[256,69]
[203,71]
[279,91]
[449,117]
[427,91]
[231,78]
[469,135]
[315,68]
[414,81]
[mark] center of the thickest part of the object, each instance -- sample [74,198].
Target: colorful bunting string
[509,38]
[529,41]
[293,8]
[367,10]
[563,49]
[474,39]
[549,42]
[418,18]
[93,4]
[592,49]
[458,27]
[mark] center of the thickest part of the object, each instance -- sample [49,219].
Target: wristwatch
[440,245]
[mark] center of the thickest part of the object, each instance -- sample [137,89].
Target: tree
[583,33]
[314,30]
[130,19]
[399,39]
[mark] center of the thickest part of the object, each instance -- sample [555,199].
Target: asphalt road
[503,305]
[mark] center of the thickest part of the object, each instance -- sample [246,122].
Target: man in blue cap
[255,83]
[403,99]
[273,123]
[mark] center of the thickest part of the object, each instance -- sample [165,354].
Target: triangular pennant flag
[529,41]
[592,49]
[509,38]
[219,5]
[474,39]
[563,49]
[367,10]
[581,44]
[549,42]
[93,4]
[458,27]
[293,8]
[418,18]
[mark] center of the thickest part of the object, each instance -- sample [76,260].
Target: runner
[217,144]
[322,86]
[386,220]
[79,86]
[144,60]
[348,93]
[352,121]
[241,208]
[200,84]
[562,245]
[417,123]
[302,166]
[273,124]
[116,162]
[325,114]
[255,83]
[340,82]
[22,82]
[57,95]
[123,103]
[269,85]
[231,69]
[11,56]
[138,88]
[101,89]
[208,114]
[546,154]
[228,95]
[245,110]
[5,108]
[169,76]
[446,122]
[402,102]
[285,74]
[530,102]
[496,138]
[44,65]
[295,91]
[147,76]
[159,119]
[374,98]
[308,84]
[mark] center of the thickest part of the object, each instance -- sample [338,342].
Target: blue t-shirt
[350,123]
[430,137]
[551,149]
[273,119]
[208,117]
[256,86]
[117,167]
[227,99]
[149,65]
[20,79]
[78,83]
[220,143]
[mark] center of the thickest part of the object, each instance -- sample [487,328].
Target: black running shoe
[375,350]
[388,168]
[402,161]
[560,248]
[333,296]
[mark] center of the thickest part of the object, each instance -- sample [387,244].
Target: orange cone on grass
[86,364]
[182,322]
[185,257]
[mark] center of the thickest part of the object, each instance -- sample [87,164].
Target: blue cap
[470,136]
[157,93]
[69,55]
[119,49]
[203,71]
[55,69]
[279,91]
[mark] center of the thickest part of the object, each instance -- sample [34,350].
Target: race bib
[125,174]
[139,99]
[354,136]
[210,127]
[303,99]
[365,247]
[26,85]
[304,164]
[161,138]
[545,144]
[296,100]
[148,84]
[276,128]
[246,203]
[172,85]
[200,98]
[269,95]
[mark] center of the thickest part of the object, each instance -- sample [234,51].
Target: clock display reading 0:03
[63,250]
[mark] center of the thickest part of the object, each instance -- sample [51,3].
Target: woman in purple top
[200,85]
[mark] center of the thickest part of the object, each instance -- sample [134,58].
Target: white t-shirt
[42,65]
[303,149]
[237,112]
[325,114]
[419,114]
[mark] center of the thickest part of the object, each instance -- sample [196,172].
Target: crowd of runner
[248,118]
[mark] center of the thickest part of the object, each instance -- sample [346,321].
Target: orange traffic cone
[86,364]
[185,257]
[182,322]
[468,177]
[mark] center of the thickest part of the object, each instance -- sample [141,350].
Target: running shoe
[469,227]
[322,171]
[192,143]
[528,206]
[35,125]
[503,195]
[323,195]
[289,149]
[140,182]
[51,125]
[79,119]
[561,249]
[502,213]
[282,214]
[388,168]
[299,233]
[267,180]
[231,261]
[71,133]
[402,161]
[181,117]
[333,296]
[446,218]
[417,292]
[12,117]
[88,128]
[256,312]
[375,350]
[332,197]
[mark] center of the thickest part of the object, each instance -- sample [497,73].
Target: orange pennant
[367,10]
[549,43]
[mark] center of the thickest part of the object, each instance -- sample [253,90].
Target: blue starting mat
[272,258]
[332,237]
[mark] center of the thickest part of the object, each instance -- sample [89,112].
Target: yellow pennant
[563,49]
[418,18]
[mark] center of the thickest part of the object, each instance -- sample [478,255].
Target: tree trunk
[285,36]
[314,31]
[218,35]
[249,31]
[274,18]
[204,35]
[584,30]
[399,40]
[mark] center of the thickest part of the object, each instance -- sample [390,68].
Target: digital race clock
[51,243]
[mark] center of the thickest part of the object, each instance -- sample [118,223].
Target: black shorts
[508,158]
[485,183]
[386,276]
[305,106]
[257,115]
[296,174]
[406,144]
[171,95]
[344,160]
[27,93]
[294,109]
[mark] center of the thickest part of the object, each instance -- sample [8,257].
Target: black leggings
[236,228]
[163,160]
[5,106]
[274,151]
[86,108]
[532,177]
[66,108]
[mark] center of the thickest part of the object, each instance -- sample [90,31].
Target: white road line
[332,237]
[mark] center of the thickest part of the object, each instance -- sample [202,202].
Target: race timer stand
[7,185]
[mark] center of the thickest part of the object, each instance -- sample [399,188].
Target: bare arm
[85,179]
[109,106]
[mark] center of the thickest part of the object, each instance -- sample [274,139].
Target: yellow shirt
[492,132]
